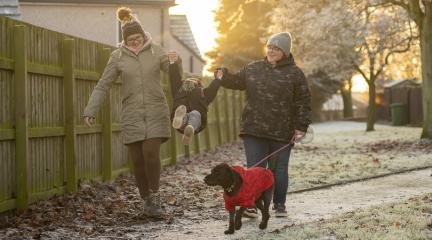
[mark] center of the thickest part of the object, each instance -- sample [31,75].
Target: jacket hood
[147,44]
[286,60]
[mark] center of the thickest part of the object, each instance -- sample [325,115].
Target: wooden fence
[46,79]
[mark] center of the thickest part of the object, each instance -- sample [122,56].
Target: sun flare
[359,84]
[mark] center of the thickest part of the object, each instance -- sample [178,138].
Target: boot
[188,135]
[179,116]
[152,205]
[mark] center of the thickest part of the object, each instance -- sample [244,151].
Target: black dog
[245,188]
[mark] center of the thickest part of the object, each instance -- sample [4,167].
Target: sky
[201,19]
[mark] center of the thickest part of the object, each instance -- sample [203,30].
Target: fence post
[69,96]
[21,117]
[105,54]
[235,103]
[218,120]
[197,144]
[173,140]
[187,151]
[227,116]
[207,138]
[173,148]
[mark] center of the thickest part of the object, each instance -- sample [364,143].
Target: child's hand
[172,57]
[88,121]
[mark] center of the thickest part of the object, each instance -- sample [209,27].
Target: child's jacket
[255,181]
[197,99]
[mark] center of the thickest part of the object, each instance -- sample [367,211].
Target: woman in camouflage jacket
[277,110]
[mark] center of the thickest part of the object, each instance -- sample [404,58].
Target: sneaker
[179,115]
[280,210]
[188,135]
[152,205]
[250,213]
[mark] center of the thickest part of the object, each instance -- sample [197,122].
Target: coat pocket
[132,109]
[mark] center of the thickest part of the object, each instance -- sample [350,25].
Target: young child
[190,103]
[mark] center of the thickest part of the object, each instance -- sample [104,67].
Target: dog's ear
[235,176]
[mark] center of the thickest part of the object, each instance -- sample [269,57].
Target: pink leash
[273,153]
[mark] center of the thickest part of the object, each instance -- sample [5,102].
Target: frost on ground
[340,151]
[343,151]
[408,219]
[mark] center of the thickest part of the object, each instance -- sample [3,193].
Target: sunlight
[201,19]
[359,84]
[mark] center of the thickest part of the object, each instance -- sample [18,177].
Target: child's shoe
[179,115]
[188,135]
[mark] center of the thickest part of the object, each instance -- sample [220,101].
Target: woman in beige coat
[145,116]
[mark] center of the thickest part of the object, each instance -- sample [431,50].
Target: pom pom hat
[129,24]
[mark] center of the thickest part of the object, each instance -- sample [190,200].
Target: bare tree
[384,32]
[420,11]
[324,51]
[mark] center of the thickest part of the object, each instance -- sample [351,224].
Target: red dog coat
[255,181]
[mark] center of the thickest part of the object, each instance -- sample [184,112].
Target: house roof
[138,2]
[181,31]
[401,82]
[9,8]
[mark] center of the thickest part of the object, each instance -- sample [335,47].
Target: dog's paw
[229,231]
[263,225]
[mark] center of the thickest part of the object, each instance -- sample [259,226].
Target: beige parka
[144,112]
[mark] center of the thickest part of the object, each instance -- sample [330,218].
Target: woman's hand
[298,135]
[172,57]
[88,121]
[219,74]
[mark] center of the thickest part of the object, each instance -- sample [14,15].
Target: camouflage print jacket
[277,99]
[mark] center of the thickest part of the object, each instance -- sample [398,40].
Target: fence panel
[44,146]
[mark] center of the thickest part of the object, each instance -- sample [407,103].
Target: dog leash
[273,153]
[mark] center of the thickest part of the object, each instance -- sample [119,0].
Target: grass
[338,156]
[410,219]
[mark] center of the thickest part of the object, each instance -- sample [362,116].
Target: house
[405,91]
[333,108]
[184,43]
[10,8]
[96,20]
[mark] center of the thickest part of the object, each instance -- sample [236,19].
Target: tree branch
[416,12]
[399,3]
[412,7]
[357,67]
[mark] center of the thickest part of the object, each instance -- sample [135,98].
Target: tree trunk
[347,100]
[372,107]
[426,58]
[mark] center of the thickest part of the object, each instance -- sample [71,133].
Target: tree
[420,11]
[242,25]
[340,36]
[322,47]
[384,32]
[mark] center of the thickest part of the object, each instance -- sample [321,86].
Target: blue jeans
[257,149]
[193,118]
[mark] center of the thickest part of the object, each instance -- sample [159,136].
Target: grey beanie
[281,40]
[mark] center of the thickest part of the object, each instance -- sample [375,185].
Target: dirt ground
[340,151]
